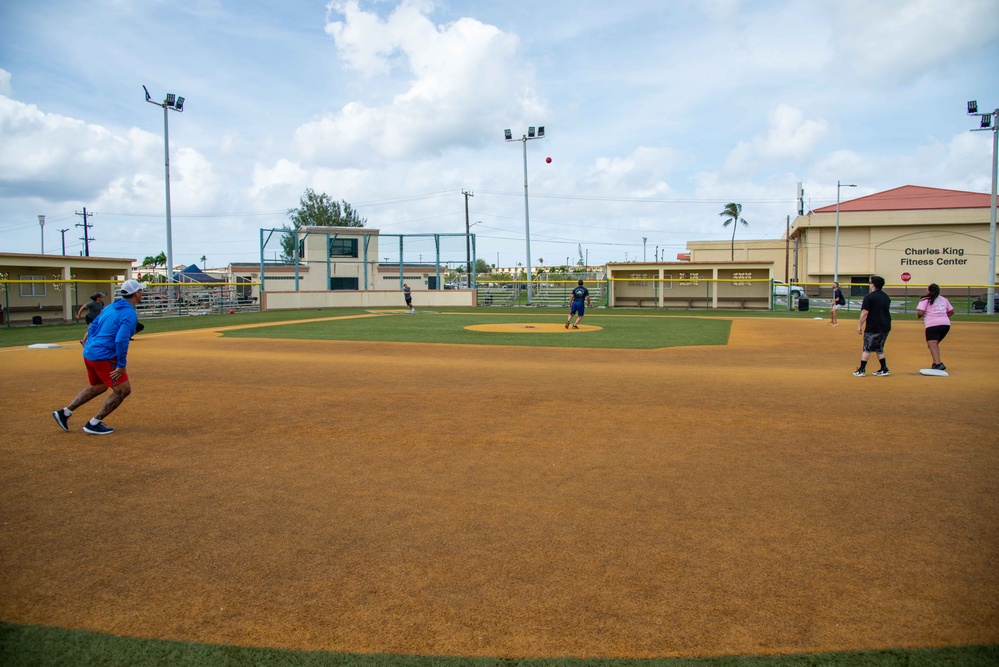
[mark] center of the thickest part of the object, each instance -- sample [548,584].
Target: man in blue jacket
[104,355]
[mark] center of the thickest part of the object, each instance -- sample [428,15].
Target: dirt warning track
[512,501]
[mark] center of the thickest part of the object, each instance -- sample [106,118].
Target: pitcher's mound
[534,327]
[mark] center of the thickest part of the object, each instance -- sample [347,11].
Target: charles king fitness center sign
[934,256]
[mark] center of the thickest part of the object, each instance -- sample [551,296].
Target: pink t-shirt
[936,312]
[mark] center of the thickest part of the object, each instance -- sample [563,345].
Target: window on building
[343,284]
[343,248]
[32,289]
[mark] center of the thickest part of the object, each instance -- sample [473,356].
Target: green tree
[482,266]
[733,215]
[155,260]
[317,210]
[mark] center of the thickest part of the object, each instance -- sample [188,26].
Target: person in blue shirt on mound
[579,295]
[105,355]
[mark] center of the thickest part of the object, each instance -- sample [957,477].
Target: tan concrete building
[932,235]
[338,266]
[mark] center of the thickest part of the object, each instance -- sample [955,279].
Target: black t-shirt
[580,294]
[878,314]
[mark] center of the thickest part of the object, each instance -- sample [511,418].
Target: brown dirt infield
[512,501]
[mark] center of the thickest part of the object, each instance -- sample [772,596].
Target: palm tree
[732,214]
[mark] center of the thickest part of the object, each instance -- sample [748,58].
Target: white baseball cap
[130,287]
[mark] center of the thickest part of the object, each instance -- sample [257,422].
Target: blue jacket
[109,334]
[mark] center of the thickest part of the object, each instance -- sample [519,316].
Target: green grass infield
[532,329]
[38,646]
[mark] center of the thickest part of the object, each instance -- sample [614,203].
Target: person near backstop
[105,356]
[576,307]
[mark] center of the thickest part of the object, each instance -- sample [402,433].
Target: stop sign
[906,277]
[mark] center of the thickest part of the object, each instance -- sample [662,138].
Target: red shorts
[99,372]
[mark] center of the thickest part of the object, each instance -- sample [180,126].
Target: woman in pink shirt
[935,310]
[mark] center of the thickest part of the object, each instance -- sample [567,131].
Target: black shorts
[937,333]
[875,342]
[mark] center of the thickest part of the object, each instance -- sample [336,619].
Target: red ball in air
[548,160]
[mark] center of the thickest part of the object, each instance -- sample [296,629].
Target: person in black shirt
[837,302]
[579,295]
[875,313]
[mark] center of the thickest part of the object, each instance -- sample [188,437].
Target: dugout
[690,285]
[53,287]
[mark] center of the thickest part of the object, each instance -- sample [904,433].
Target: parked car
[979,303]
[781,288]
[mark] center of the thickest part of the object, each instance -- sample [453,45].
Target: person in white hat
[105,355]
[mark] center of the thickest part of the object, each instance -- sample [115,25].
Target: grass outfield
[21,646]
[616,331]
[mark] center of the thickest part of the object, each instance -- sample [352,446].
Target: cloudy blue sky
[657,113]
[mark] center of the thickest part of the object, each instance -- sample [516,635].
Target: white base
[43,345]
[933,371]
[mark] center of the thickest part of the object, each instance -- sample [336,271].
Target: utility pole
[87,238]
[63,232]
[468,247]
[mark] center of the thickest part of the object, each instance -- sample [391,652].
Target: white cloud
[5,88]
[639,174]
[462,82]
[789,138]
[893,41]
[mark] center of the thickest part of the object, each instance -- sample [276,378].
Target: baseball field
[479,487]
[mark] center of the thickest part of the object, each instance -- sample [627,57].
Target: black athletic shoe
[882,373]
[939,367]
[97,429]
[575,326]
[860,372]
[61,419]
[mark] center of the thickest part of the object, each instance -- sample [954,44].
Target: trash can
[803,303]
[36,319]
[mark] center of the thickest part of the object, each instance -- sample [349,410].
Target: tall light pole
[63,232]
[836,261]
[644,239]
[41,222]
[468,251]
[527,216]
[171,103]
[990,121]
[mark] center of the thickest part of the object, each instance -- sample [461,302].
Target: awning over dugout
[192,274]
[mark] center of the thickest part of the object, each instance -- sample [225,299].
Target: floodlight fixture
[990,123]
[532,134]
[171,103]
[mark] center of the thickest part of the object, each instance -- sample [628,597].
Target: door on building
[859,286]
[431,282]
